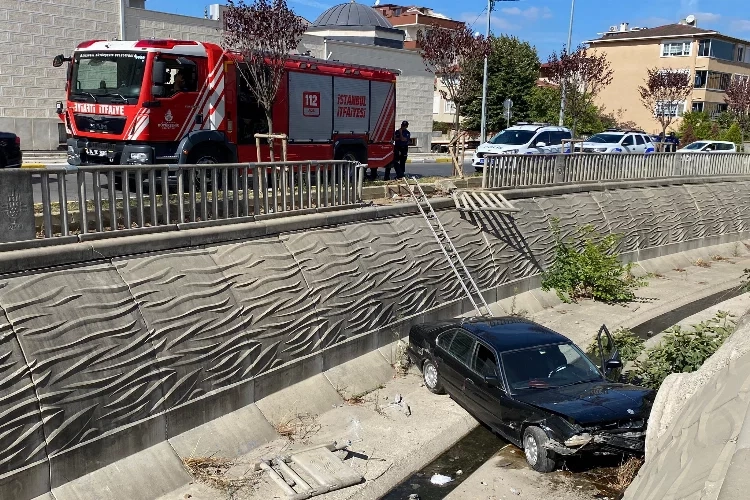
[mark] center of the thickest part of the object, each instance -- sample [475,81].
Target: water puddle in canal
[593,476]
[467,456]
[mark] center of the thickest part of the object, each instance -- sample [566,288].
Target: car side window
[484,361]
[541,137]
[639,140]
[628,141]
[444,339]
[461,347]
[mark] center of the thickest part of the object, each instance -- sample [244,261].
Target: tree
[265,34]
[451,54]
[687,135]
[733,134]
[699,123]
[664,90]
[513,70]
[544,107]
[738,104]
[583,75]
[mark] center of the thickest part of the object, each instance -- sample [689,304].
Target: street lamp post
[567,47]
[483,131]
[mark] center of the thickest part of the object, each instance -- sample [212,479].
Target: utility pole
[490,4]
[567,47]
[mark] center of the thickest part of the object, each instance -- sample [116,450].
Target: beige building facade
[711,59]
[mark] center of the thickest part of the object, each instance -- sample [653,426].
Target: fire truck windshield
[107,76]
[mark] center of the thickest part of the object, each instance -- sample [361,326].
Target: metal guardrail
[136,196]
[502,171]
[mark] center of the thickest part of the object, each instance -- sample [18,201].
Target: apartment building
[711,58]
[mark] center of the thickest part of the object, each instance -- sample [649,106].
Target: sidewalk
[389,442]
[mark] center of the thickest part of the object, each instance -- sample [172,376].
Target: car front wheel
[431,379]
[537,454]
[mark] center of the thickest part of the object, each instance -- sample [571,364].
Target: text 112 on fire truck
[172,101]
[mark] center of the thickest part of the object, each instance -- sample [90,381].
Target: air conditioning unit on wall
[613,28]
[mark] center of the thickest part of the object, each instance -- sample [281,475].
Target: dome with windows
[351,14]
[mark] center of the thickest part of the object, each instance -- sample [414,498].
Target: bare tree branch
[663,91]
[738,103]
[582,75]
[264,33]
[450,54]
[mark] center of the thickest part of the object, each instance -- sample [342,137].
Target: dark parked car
[534,387]
[10,150]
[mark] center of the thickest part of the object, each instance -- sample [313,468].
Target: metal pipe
[46,206]
[62,196]
[126,198]
[570,37]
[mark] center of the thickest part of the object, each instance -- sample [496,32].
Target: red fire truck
[173,101]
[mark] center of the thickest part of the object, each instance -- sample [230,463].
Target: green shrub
[629,345]
[589,268]
[444,127]
[682,350]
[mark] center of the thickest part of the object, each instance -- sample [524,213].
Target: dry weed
[625,473]
[702,263]
[213,472]
[718,258]
[300,427]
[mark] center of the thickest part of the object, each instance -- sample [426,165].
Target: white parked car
[709,147]
[617,141]
[523,138]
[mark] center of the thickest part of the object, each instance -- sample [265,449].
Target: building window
[698,106]
[714,109]
[718,81]
[704,48]
[674,49]
[700,79]
[740,53]
[449,107]
[669,109]
[436,103]
[719,49]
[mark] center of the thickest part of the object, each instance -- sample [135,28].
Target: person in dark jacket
[401,139]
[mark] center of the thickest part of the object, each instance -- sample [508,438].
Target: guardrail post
[82,208]
[360,181]
[559,172]
[62,195]
[46,206]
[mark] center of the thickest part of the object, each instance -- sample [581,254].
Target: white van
[709,147]
[523,138]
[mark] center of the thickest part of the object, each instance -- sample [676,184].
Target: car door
[453,361]
[484,386]
[539,144]
[609,361]
[628,144]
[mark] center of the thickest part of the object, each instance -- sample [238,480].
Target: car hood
[497,148]
[593,402]
[600,145]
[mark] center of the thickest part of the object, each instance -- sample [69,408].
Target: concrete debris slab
[440,479]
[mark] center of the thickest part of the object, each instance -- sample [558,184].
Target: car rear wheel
[534,447]
[431,378]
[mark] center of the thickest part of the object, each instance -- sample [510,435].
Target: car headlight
[600,150]
[140,157]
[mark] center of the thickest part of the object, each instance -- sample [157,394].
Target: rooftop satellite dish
[690,19]
[377,2]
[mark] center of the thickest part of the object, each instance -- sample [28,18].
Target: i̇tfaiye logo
[168,116]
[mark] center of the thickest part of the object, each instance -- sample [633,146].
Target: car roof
[506,333]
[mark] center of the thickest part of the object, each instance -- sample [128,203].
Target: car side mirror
[492,381]
[541,144]
[613,364]
[59,60]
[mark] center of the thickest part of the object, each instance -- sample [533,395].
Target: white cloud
[740,25]
[532,13]
[706,17]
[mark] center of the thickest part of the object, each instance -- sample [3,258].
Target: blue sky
[544,23]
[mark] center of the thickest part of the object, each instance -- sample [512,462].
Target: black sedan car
[534,387]
[10,150]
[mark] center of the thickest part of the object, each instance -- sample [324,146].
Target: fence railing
[534,170]
[90,199]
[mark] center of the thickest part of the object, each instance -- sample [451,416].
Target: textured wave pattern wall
[89,349]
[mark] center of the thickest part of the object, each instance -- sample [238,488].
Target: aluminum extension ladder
[449,250]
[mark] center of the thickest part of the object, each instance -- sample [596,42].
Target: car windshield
[108,74]
[513,137]
[605,138]
[549,366]
[696,145]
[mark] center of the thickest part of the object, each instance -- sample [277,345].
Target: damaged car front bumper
[632,442]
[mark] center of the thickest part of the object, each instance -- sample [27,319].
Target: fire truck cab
[177,101]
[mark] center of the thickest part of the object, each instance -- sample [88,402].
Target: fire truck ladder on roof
[481,200]
[449,250]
